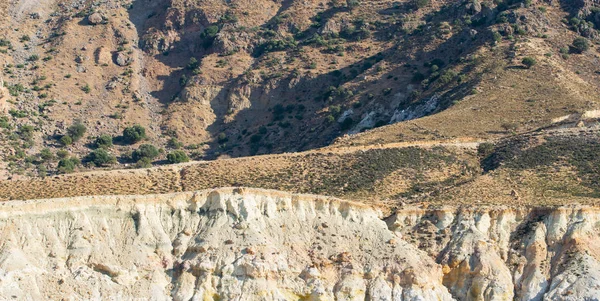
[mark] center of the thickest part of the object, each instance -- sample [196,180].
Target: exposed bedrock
[250,244]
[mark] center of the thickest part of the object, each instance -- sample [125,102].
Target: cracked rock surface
[251,244]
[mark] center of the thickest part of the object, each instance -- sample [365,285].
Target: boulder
[122,59]
[474,7]
[95,18]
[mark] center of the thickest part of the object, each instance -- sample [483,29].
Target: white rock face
[248,244]
[510,254]
[226,244]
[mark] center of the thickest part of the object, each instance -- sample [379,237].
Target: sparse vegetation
[528,62]
[421,3]
[66,140]
[145,151]
[68,165]
[86,88]
[581,44]
[134,134]
[177,156]
[76,131]
[103,141]
[100,157]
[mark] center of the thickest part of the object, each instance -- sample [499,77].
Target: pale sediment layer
[251,244]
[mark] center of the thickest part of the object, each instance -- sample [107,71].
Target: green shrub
[208,36]
[87,89]
[143,163]
[67,165]
[26,132]
[46,155]
[353,3]
[421,3]
[447,76]
[42,171]
[222,138]
[485,149]
[193,64]
[335,110]
[134,134]
[174,143]
[145,151]
[66,140]
[275,45]
[581,44]
[4,122]
[177,156]
[62,154]
[528,62]
[329,119]
[14,90]
[76,131]
[101,157]
[103,141]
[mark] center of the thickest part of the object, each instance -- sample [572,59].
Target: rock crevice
[251,244]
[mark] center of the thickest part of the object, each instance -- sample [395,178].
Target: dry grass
[350,175]
[521,99]
[548,169]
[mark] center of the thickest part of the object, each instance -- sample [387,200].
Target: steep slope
[267,245]
[239,78]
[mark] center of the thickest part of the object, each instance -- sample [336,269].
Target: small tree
[581,44]
[528,62]
[143,163]
[62,154]
[103,141]
[76,131]
[485,149]
[66,140]
[67,165]
[421,3]
[46,155]
[145,151]
[101,157]
[193,64]
[134,134]
[177,156]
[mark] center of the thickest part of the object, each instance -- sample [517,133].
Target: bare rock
[122,59]
[331,27]
[474,7]
[95,19]
[102,56]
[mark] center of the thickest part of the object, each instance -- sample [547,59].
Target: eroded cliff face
[247,244]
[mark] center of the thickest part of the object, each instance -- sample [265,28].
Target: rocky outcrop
[229,244]
[250,244]
[95,19]
[122,59]
[508,253]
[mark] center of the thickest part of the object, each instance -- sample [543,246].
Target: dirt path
[467,143]
[271,171]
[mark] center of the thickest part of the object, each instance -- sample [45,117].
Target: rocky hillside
[204,79]
[465,132]
[245,244]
